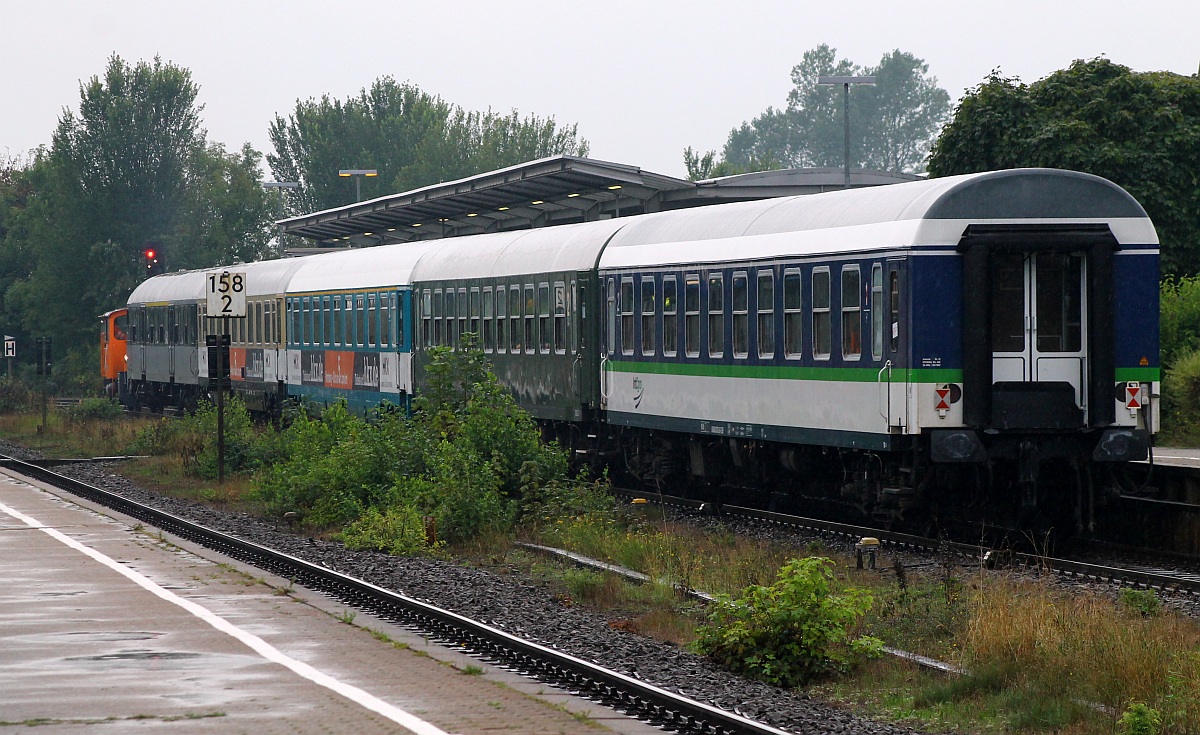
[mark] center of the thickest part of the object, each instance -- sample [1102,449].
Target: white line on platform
[264,649]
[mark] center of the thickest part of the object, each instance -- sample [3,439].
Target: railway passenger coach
[349,327]
[1005,322]
[978,344]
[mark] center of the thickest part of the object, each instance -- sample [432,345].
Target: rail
[639,699]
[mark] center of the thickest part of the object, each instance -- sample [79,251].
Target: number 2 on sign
[226,294]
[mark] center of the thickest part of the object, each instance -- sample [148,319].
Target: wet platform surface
[1177,457]
[207,645]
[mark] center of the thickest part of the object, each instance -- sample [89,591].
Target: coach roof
[934,211]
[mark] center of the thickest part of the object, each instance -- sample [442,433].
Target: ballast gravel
[519,606]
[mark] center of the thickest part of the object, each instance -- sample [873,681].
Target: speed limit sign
[227,293]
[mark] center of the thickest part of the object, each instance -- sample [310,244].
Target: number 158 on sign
[227,294]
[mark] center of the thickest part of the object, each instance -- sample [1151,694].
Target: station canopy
[545,192]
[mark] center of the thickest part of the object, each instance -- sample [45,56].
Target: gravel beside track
[518,606]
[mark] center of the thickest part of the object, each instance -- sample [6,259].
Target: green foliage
[1143,602]
[793,631]
[194,439]
[462,491]
[411,137]
[131,166]
[397,529]
[16,396]
[1140,130]
[1140,719]
[1179,318]
[892,123]
[95,408]
[1181,396]
[466,458]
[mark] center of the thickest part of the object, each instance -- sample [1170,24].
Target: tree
[412,138]
[131,166]
[893,122]
[1140,130]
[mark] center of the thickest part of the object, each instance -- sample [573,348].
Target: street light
[357,173]
[281,185]
[845,82]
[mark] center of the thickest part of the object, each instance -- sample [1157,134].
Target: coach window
[821,316]
[474,310]
[395,309]
[670,316]
[372,321]
[793,315]
[529,308]
[354,320]
[446,325]
[487,306]
[765,304]
[648,308]
[318,321]
[877,311]
[462,314]
[336,326]
[560,317]
[426,317]
[741,315]
[611,342]
[894,309]
[384,333]
[544,318]
[851,313]
[514,319]
[303,335]
[451,334]
[716,315]
[360,320]
[691,315]
[625,302]
[501,318]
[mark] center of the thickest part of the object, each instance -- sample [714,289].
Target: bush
[1179,320]
[100,409]
[1143,602]
[797,629]
[1140,719]
[1181,396]
[16,397]
[398,530]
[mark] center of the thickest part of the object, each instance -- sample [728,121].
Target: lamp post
[357,173]
[845,82]
[281,185]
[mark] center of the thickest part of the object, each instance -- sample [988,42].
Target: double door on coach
[1039,338]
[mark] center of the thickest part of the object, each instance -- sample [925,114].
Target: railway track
[1151,577]
[639,699]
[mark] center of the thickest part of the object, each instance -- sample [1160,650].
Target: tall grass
[676,554]
[1080,647]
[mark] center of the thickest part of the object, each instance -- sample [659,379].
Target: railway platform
[103,621]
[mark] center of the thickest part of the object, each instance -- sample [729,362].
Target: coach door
[1039,340]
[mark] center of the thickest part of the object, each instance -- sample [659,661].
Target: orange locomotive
[113,325]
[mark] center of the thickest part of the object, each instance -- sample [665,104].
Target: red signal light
[150,254]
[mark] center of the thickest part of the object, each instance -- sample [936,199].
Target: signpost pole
[223,355]
[44,345]
[226,298]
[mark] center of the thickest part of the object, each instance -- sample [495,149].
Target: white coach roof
[378,267]
[560,248]
[933,211]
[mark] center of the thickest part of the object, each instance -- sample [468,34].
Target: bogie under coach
[974,346]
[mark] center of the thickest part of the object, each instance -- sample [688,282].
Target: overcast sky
[643,79]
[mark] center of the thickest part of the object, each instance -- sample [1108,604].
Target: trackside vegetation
[466,474]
